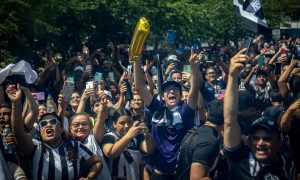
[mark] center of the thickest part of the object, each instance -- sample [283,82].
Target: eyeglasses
[174,88]
[83,124]
[44,123]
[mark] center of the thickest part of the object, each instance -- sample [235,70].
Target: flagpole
[159,77]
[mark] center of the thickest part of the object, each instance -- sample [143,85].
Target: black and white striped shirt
[55,164]
[127,164]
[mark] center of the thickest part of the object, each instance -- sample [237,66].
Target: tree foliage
[27,26]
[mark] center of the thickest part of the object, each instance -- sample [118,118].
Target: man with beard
[172,118]
[260,158]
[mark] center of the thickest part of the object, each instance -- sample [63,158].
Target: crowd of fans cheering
[222,112]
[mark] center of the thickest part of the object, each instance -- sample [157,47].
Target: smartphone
[261,60]
[98,77]
[71,79]
[277,68]
[39,96]
[111,76]
[89,84]
[68,89]
[187,69]
[247,44]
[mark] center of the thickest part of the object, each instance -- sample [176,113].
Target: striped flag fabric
[252,13]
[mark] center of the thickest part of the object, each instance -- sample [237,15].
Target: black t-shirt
[203,147]
[243,165]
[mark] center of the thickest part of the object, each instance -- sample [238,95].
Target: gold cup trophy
[140,34]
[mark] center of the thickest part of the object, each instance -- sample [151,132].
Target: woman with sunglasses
[55,156]
[81,130]
[123,147]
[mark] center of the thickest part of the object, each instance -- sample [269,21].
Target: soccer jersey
[54,164]
[91,143]
[168,136]
[125,166]
[243,165]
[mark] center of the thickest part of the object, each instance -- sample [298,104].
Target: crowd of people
[230,114]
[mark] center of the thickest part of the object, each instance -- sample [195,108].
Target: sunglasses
[44,123]
[169,88]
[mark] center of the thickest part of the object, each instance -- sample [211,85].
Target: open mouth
[172,98]
[261,151]
[50,132]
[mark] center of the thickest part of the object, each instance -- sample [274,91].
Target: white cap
[173,57]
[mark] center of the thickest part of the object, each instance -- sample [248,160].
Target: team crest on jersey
[269,176]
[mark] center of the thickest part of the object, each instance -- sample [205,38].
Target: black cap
[168,83]
[261,72]
[266,123]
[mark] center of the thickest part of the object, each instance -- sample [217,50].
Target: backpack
[187,159]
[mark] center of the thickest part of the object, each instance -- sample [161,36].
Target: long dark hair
[120,112]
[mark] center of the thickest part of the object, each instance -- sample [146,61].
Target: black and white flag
[252,13]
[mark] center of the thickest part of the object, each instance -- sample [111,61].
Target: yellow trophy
[140,34]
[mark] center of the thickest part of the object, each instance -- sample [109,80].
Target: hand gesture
[237,62]
[103,102]
[135,130]
[88,93]
[13,93]
[123,88]
[169,68]
[195,58]
[185,76]
[147,67]
[294,62]
[61,100]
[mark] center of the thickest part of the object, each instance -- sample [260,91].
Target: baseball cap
[173,57]
[266,123]
[79,68]
[169,83]
[261,72]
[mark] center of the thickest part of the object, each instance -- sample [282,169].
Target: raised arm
[139,82]
[99,130]
[196,79]
[232,130]
[87,93]
[284,76]
[62,105]
[274,58]
[112,151]
[149,78]
[33,109]
[285,120]
[122,101]
[23,139]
